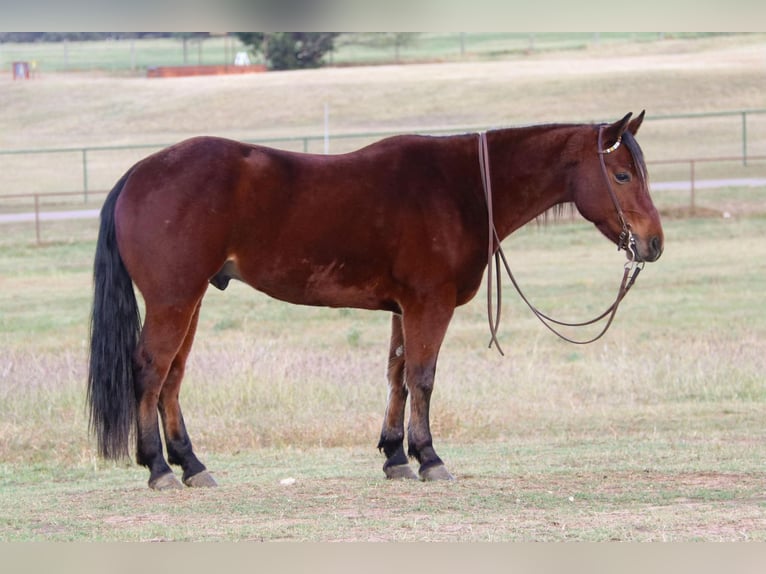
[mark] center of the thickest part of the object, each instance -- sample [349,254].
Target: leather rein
[494,249]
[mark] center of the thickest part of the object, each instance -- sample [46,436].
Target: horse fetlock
[390,444]
[422,450]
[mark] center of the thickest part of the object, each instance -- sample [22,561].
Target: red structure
[177,71]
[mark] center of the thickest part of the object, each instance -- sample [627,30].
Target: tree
[290,50]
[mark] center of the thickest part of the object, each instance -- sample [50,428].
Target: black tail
[114,328]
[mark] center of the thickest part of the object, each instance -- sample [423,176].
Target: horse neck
[528,171]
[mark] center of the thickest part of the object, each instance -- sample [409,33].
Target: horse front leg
[392,435]
[424,329]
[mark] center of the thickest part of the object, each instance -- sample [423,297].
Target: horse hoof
[400,471]
[201,480]
[167,481]
[438,472]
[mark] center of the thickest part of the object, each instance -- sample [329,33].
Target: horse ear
[613,132]
[636,123]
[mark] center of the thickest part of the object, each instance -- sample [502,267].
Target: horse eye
[622,177]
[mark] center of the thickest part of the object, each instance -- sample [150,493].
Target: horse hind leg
[392,435]
[164,333]
[177,441]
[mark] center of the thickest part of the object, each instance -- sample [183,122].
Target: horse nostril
[656,244]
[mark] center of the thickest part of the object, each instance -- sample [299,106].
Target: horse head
[611,189]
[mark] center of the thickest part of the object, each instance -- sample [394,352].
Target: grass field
[654,433]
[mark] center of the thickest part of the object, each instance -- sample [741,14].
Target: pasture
[654,433]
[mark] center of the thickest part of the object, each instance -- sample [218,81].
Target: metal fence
[83,157]
[91,171]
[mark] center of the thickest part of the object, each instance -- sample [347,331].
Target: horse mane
[558,212]
[637,155]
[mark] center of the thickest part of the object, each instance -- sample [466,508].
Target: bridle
[626,241]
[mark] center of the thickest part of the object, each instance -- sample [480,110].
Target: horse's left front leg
[424,329]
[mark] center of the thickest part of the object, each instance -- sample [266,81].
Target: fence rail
[38,215]
[87,153]
[63,211]
[692,163]
[90,162]
[743,114]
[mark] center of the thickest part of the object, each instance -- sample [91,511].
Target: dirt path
[709,184]
[49,215]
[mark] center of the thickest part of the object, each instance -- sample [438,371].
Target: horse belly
[329,285]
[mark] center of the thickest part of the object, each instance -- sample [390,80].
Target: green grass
[654,433]
[118,55]
[355,48]
[530,491]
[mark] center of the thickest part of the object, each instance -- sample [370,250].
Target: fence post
[37,218]
[692,202]
[85,174]
[744,138]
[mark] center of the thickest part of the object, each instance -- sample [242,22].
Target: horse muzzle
[644,250]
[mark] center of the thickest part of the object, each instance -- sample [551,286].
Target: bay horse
[400,226]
